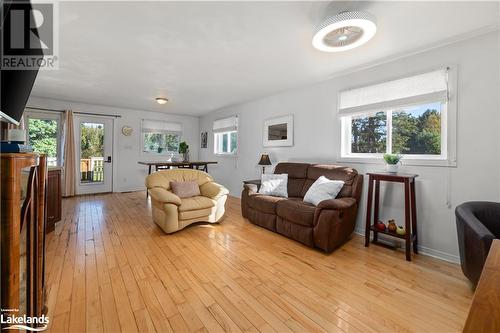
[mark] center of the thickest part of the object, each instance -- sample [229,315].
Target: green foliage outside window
[369,134]
[161,142]
[42,135]
[92,140]
[413,132]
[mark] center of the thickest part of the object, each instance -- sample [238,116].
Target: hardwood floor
[109,268]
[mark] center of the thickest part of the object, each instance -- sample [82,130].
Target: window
[44,134]
[226,136]
[406,116]
[160,137]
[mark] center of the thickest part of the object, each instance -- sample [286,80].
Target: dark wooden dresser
[54,197]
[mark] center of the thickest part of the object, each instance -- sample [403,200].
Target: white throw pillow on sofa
[323,189]
[275,185]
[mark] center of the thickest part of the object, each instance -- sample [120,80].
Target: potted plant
[392,161]
[184,150]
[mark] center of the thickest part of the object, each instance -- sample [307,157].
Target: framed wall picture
[278,132]
[204,139]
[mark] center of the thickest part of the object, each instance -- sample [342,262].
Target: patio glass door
[94,136]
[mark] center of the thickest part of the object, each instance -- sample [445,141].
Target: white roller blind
[158,126]
[423,88]
[226,124]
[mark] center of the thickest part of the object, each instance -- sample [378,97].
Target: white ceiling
[207,55]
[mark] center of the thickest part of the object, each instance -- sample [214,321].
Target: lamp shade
[264,160]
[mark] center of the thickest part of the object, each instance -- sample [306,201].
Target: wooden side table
[410,209]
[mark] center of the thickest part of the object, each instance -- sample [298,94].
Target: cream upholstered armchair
[171,213]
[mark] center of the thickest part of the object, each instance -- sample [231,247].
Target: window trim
[217,144]
[46,115]
[448,132]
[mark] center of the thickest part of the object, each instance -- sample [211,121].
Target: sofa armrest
[213,190]
[162,195]
[337,204]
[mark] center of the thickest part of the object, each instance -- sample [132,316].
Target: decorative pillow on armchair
[323,189]
[185,189]
[275,185]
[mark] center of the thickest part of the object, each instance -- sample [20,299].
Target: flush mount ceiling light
[344,31]
[161,100]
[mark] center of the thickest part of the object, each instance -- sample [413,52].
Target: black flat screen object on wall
[15,85]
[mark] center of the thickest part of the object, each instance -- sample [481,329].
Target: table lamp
[264,160]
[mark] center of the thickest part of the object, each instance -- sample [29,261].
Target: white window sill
[404,162]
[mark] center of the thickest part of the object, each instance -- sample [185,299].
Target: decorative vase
[401,230]
[392,226]
[185,156]
[393,168]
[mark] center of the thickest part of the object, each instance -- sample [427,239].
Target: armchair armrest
[162,195]
[251,185]
[213,190]
[337,204]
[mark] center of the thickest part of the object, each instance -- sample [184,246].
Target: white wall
[317,126]
[127,150]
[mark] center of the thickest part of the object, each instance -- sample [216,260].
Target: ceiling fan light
[344,31]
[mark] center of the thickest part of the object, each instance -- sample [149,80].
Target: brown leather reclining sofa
[326,226]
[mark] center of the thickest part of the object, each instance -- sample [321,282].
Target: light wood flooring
[110,269]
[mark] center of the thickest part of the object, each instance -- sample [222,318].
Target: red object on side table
[408,181]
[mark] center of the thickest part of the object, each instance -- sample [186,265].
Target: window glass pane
[369,134]
[160,142]
[91,152]
[42,135]
[234,141]
[172,142]
[224,143]
[417,130]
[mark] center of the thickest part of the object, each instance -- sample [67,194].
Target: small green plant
[392,158]
[183,147]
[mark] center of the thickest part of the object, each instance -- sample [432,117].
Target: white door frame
[107,184]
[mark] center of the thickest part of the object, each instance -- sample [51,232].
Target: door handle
[108,159]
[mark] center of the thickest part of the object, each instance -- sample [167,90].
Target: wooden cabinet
[22,208]
[54,197]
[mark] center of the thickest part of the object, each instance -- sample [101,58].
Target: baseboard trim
[426,251]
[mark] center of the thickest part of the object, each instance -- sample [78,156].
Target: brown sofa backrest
[333,172]
[297,174]
[302,175]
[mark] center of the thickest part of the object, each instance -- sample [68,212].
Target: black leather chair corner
[478,223]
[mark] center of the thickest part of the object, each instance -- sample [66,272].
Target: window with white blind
[226,136]
[160,137]
[408,116]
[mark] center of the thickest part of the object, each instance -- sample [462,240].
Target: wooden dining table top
[176,163]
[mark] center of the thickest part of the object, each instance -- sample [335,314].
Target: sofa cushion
[185,189]
[264,203]
[297,174]
[296,211]
[274,184]
[196,203]
[196,214]
[333,172]
[323,189]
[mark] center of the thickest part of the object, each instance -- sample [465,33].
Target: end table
[408,180]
